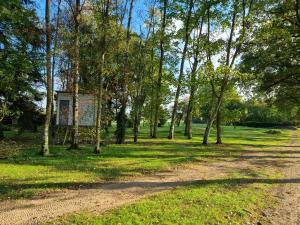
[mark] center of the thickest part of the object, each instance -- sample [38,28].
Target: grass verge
[237,199]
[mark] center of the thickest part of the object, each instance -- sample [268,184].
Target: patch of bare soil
[287,212]
[104,196]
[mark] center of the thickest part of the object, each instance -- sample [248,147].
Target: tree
[45,146]
[104,29]
[193,79]
[234,46]
[54,54]
[21,56]
[160,69]
[121,117]
[187,32]
[273,53]
[76,61]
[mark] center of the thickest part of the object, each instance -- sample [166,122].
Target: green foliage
[163,117]
[272,54]
[273,132]
[8,149]
[267,114]
[4,111]
[20,56]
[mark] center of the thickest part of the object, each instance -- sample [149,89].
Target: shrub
[273,132]
[8,149]
[264,124]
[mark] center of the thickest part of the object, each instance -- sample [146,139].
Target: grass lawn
[28,173]
[224,201]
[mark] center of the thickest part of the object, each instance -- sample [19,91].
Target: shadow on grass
[154,186]
[148,156]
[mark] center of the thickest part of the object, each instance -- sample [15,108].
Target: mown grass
[236,199]
[29,174]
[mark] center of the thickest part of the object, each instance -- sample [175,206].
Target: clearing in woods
[253,179]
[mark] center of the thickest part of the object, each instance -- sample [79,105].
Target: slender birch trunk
[53,65]
[219,128]
[186,42]
[160,69]
[104,25]
[45,146]
[189,114]
[75,125]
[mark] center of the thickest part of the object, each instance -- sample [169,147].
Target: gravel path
[287,212]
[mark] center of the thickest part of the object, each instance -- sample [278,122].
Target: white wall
[87,108]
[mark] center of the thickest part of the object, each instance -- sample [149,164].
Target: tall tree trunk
[135,128]
[219,128]
[160,69]
[152,106]
[74,140]
[186,42]
[189,114]
[229,64]
[137,116]
[98,117]
[212,112]
[104,25]
[45,146]
[121,118]
[151,110]
[207,131]
[53,66]
[140,92]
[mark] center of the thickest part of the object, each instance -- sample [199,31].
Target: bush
[8,149]
[273,132]
[263,124]
[162,121]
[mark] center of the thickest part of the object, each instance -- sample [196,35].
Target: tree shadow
[152,185]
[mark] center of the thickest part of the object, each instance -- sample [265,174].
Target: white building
[64,107]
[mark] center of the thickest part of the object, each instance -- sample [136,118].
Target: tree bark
[121,118]
[140,97]
[207,131]
[186,41]
[152,106]
[189,114]
[219,128]
[98,117]
[105,21]
[53,67]
[225,79]
[45,146]
[160,69]
[75,126]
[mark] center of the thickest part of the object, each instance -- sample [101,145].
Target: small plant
[273,132]
[8,149]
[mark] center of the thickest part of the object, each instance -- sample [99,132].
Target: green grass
[233,200]
[29,174]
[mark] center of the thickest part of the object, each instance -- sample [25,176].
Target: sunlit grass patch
[29,173]
[236,199]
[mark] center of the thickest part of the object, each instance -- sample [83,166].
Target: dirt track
[103,196]
[288,193]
